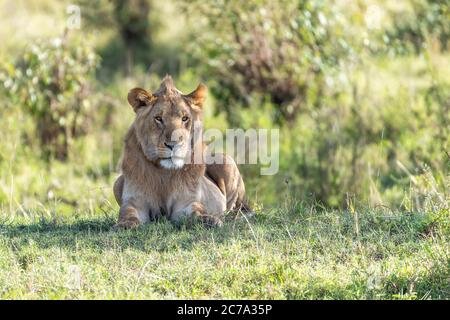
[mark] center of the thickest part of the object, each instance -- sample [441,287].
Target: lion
[159,175]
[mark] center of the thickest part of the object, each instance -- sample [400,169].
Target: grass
[297,253]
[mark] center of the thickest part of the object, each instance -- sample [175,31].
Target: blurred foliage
[51,82]
[130,19]
[134,27]
[359,90]
[279,50]
[307,64]
[428,18]
[125,33]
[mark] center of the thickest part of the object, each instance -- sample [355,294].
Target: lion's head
[165,122]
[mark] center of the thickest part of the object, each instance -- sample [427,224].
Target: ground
[295,253]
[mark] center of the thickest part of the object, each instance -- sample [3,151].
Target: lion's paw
[129,223]
[211,221]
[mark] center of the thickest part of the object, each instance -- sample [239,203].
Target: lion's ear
[139,98]
[198,96]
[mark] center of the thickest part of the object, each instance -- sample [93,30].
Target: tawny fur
[147,190]
[225,175]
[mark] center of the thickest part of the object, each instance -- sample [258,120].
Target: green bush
[353,114]
[51,81]
[281,51]
[427,19]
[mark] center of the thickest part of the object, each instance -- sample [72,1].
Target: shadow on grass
[98,234]
[335,228]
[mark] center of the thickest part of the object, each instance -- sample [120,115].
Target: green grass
[300,253]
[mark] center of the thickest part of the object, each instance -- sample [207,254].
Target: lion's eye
[158,119]
[185,118]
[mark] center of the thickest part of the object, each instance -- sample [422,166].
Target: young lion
[159,174]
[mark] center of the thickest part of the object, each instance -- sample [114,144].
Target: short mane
[167,89]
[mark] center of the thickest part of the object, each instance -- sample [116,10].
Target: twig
[448,154]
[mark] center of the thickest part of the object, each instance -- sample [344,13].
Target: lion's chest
[160,199]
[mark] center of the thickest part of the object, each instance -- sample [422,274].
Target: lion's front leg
[118,189]
[132,214]
[196,210]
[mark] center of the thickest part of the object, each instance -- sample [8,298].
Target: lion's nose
[170,145]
